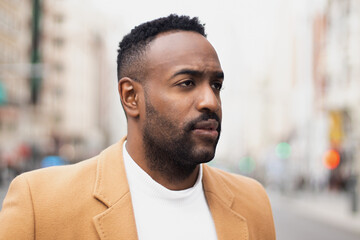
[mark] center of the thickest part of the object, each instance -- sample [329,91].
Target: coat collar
[228,223]
[118,221]
[111,175]
[112,189]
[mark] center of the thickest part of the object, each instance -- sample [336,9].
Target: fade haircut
[132,48]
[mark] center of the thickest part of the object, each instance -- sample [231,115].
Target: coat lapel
[228,223]
[118,221]
[112,189]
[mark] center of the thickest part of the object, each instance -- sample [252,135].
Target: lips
[207,130]
[210,125]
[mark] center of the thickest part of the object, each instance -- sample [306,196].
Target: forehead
[172,51]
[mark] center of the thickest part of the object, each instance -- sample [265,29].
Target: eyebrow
[218,74]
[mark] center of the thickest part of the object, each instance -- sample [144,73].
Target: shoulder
[75,178]
[246,197]
[238,184]
[62,175]
[51,186]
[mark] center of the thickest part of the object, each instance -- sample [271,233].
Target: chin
[203,155]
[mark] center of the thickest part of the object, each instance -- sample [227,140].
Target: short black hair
[133,45]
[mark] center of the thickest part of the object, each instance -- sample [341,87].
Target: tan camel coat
[91,200]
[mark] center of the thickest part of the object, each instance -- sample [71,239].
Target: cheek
[174,106]
[178,115]
[181,111]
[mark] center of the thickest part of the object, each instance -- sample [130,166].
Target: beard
[170,150]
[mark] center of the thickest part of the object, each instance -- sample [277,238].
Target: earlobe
[129,96]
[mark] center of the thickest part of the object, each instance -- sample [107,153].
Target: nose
[208,100]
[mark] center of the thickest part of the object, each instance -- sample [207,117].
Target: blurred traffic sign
[331,159]
[247,165]
[283,150]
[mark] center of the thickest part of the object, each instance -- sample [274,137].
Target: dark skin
[183,81]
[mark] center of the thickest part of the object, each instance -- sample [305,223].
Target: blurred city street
[305,217]
[290,104]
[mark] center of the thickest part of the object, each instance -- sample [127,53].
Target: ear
[129,96]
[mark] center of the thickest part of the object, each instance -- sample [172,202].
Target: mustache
[203,117]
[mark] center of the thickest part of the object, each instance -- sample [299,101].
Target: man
[153,183]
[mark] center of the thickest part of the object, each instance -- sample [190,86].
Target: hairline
[142,57]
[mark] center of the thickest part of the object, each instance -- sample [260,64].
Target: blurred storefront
[307,99]
[15,45]
[341,91]
[52,99]
[325,138]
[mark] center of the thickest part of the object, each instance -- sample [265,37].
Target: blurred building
[15,70]
[341,89]
[73,52]
[281,110]
[307,99]
[53,80]
[323,101]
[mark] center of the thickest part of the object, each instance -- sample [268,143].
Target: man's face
[182,99]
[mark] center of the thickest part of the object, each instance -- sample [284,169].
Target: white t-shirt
[164,214]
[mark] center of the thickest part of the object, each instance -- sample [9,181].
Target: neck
[176,179]
[163,169]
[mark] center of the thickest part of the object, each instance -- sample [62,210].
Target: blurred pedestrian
[153,183]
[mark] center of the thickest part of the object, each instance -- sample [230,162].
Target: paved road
[291,224]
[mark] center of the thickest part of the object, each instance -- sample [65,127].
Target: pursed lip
[210,124]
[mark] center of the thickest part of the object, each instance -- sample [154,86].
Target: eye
[217,85]
[187,83]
